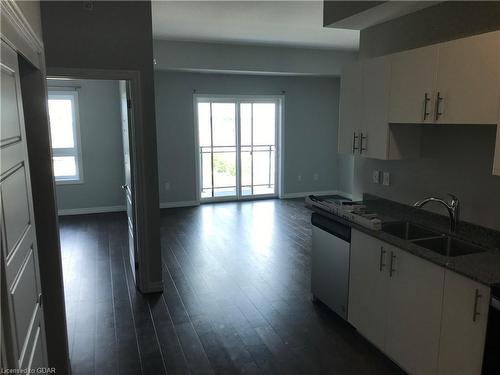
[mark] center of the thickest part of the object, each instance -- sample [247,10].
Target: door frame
[279,144]
[143,282]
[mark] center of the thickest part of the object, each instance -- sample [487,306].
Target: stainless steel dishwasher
[331,247]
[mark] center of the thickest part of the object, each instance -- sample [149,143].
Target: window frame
[76,151]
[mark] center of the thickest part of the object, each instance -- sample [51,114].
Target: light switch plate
[376,177]
[387,179]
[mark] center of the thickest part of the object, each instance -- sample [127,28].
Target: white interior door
[237,147]
[128,187]
[22,311]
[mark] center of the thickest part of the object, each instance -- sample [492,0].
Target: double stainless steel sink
[436,241]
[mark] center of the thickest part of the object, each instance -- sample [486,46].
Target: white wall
[102,148]
[246,59]
[311,120]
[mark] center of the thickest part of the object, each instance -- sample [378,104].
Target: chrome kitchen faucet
[453,208]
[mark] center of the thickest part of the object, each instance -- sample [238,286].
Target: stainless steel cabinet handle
[361,139]
[354,138]
[391,267]
[439,99]
[427,99]
[476,313]
[382,256]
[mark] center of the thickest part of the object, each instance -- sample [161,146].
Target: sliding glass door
[258,148]
[218,148]
[237,149]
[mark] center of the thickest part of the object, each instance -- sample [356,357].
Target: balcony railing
[213,190]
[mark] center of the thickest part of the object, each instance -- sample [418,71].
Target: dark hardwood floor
[236,297]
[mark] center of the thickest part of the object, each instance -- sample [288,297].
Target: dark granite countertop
[483,267]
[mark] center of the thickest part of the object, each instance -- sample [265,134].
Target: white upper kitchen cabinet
[468,82]
[463,327]
[374,140]
[413,86]
[367,309]
[415,294]
[350,111]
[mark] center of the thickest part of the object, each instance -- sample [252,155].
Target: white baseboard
[90,210]
[153,287]
[179,204]
[324,192]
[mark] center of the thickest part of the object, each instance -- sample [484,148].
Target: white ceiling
[286,23]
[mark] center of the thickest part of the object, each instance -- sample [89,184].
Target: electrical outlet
[167,186]
[299,177]
[387,179]
[315,177]
[376,177]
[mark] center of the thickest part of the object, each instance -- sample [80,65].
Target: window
[64,132]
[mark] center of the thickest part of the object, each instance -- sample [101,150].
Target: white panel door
[413,84]
[22,312]
[351,107]
[414,312]
[468,80]
[368,287]
[463,330]
[374,141]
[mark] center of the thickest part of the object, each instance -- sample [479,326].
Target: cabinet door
[350,108]
[413,81]
[367,287]
[463,329]
[376,89]
[468,80]
[414,300]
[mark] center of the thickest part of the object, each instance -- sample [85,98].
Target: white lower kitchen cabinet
[463,329]
[427,319]
[368,287]
[415,294]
